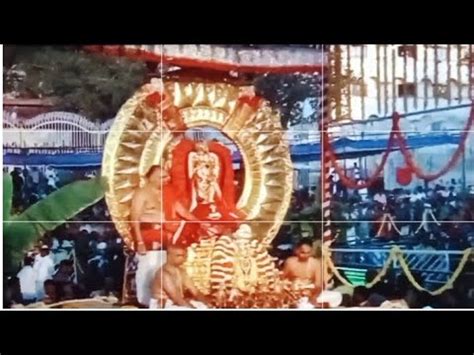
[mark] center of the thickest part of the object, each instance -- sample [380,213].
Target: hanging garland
[397,254]
[451,163]
[396,137]
[391,258]
[447,285]
[354,184]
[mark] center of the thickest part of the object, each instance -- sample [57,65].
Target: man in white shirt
[51,177]
[44,266]
[381,198]
[418,195]
[27,277]
[356,172]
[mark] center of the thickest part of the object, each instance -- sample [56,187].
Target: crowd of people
[82,259]
[76,260]
[433,217]
[33,183]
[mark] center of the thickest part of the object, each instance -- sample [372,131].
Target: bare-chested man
[304,269]
[152,205]
[172,287]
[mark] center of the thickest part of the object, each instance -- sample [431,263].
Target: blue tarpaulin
[61,160]
[344,147]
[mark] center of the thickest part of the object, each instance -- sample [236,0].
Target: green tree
[92,85]
[21,231]
[289,93]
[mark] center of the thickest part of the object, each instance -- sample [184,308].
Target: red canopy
[275,59]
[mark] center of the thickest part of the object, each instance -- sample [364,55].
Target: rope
[391,223]
[424,221]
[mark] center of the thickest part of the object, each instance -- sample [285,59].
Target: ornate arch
[140,135]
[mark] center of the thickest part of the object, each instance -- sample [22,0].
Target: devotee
[152,234]
[172,285]
[44,267]
[51,292]
[148,213]
[27,276]
[304,269]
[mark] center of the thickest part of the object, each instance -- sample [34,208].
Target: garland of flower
[447,285]
[397,137]
[354,184]
[392,257]
[451,163]
[397,254]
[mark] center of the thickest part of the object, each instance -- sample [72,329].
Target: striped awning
[265,59]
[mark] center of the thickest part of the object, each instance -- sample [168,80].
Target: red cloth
[179,171]
[182,190]
[226,178]
[151,236]
[168,227]
[252,101]
[154,99]
[404,175]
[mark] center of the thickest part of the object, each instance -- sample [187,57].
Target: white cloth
[51,177]
[356,173]
[381,198]
[303,303]
[333,298]
[405,230]
[419,196]
[61,251]
[27,277]
[170,305]
[55,244]
[44,267]
[148,264]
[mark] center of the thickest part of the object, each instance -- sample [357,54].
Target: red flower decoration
[252,101]
[154,99]
[404,175]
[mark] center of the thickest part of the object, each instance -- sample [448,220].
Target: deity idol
[203,177]
[203,171]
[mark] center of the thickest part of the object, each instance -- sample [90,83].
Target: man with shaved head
[156,217]
[172,288]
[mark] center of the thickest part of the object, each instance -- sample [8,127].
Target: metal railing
[53,130]
[434,266]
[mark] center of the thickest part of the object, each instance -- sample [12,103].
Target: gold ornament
[142,134]
[234,262]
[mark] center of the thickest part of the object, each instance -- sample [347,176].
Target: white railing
[53,130]
[69,130]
